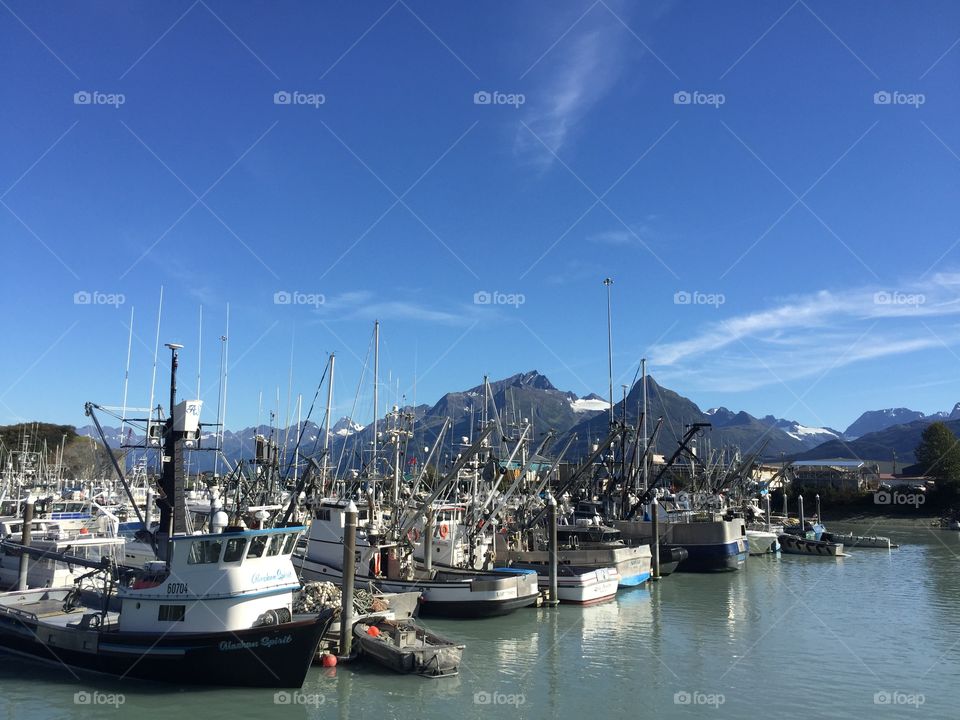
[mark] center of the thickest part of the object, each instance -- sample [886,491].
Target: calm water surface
[875,634]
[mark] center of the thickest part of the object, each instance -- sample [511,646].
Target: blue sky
[772,187]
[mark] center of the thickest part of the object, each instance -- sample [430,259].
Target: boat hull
[277,656]
[475,595]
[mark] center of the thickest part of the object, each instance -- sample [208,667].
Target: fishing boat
[406,647]
[390,567]
[712,542]
[578,585]
[217,612]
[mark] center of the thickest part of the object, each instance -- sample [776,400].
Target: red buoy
[373,631]
[328,660]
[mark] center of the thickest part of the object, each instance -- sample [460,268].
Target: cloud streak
[807,336]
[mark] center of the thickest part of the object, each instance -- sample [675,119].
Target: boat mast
[607,283]
[326,429]
[376,389]
[172,510]
[126,375]
[646,438]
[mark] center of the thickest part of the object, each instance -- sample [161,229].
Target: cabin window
[323,514]
[291,542]
[234,551]
[257,545]
[276,545]
[172,613]
[204,552]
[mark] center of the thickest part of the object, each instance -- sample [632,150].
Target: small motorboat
[577,585]
[762,542]
[405,647]
[800,545]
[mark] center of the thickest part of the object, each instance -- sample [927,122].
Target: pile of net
[315,596]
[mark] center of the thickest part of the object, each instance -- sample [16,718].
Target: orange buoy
[373,631]
[328,660]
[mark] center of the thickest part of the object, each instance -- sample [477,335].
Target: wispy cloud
[571,79]
[805,336]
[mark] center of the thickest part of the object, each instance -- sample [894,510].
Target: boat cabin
[224,581]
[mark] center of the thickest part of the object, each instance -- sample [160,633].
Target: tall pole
[349,569]
[655,545]
[25,540]
[553,599]
[608,282]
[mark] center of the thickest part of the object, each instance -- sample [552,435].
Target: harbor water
[875,634]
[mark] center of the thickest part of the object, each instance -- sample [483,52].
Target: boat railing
[18,613]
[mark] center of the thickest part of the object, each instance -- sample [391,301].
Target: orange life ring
[415,533]
[444,531]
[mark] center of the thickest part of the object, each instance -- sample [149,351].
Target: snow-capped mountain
[589,403]
[345,427]
[876,420]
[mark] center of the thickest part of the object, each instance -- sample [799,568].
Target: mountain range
[530,396]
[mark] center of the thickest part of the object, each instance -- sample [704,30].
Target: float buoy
[328,660]
[373,631]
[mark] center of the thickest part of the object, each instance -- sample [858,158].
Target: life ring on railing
[414,535]
[444,531]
